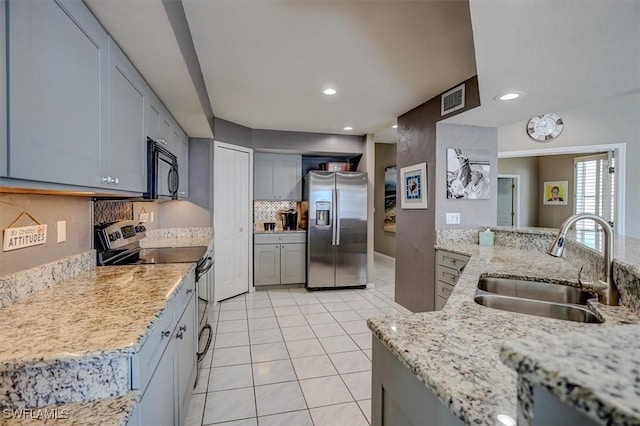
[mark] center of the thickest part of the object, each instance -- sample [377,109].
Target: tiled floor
[293,357]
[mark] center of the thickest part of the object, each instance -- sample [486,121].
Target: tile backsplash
[112,211]
[267,211]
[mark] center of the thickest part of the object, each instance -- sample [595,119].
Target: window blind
[594,188]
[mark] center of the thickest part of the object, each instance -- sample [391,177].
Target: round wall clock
[544,128]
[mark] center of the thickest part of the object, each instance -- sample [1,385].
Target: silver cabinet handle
[107,179]
[116,181]
[183,327]
[166,333]
[179,335]
[189,290]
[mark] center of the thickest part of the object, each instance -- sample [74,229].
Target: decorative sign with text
[24,236]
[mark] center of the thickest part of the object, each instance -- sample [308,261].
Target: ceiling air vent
[452,100]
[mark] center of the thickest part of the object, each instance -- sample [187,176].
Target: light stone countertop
[104,412]
[455,352]
[104,313]
[597,372]
[178,237]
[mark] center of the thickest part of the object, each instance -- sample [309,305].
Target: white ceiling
[142,30]
[266,63]
[559,53]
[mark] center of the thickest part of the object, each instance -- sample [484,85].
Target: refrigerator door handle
[337,216]
[333,219]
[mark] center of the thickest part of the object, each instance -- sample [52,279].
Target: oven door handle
[204,267]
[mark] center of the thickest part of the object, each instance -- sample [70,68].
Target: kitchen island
[455,353]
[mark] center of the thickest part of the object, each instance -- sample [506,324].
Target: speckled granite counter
[71,342]
[104,412]
[455,352]
[178,237]
[596,372]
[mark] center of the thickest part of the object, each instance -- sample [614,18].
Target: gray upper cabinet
[154,112]
[3,90]
[180,147]
[57,79]
[127,141]
[277,176]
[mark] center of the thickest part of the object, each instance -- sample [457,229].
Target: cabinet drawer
[443,289]
[293,237]
[440,302]
[447,275]
[451,260]
[184,294]
[145,361]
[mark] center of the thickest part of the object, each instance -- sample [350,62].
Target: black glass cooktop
[172,254]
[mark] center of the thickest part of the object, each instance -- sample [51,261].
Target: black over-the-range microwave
[163,178]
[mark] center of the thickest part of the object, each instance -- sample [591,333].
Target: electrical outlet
[62,231]
[453,218]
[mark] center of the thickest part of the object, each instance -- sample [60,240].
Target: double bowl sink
[536,298]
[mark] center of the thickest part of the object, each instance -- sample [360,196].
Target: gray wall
[550,168]
[611,120]
[473,213]
[384,242]
[288,142]
[47,209]
[527,169]
[415,255]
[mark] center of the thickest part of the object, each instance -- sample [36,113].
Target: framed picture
[390,184]
[556,193]
[413,181]
[468,174]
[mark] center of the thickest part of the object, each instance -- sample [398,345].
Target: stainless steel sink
[536,298]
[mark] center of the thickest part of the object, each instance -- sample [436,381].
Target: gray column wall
[415,230]
[473,213]
[385,242]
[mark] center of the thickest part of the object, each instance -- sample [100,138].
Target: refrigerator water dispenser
[322,213]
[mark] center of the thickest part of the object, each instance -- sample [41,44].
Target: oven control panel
[120,234]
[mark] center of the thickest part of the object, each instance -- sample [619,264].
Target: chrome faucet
[605,288]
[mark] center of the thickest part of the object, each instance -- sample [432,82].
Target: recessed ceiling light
[330,91]
[507,97]
[395,126]
[348,128]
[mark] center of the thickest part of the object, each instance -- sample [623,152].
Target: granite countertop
[597,372]
[279,231]
[104,313]
[178,237]
[455,352]
[104,412]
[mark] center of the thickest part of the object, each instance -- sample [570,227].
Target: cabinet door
[181,143]
[57,75]
[293,263]
[157,404]
[127,141]
[153,115]
[3,90]
[263,176]
[288,177]
[187,346]
[266,268]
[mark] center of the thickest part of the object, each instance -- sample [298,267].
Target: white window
[594,189]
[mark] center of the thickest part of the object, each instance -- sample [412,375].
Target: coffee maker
[289,220]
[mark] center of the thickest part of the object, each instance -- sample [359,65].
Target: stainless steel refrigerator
[337,229]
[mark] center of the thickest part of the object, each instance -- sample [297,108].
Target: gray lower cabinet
[279,259]
[548,409]
[57,79]
[126,160]
[399,398]
[277,176]
[164,369]
[449,265]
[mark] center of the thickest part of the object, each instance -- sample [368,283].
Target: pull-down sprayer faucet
[605,288]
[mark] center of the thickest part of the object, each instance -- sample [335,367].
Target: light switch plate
[453,218]
[62,231]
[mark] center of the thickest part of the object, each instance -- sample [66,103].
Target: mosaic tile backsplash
[112,211]
[267,211]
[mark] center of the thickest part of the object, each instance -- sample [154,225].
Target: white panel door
[231,222]
[505,202]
